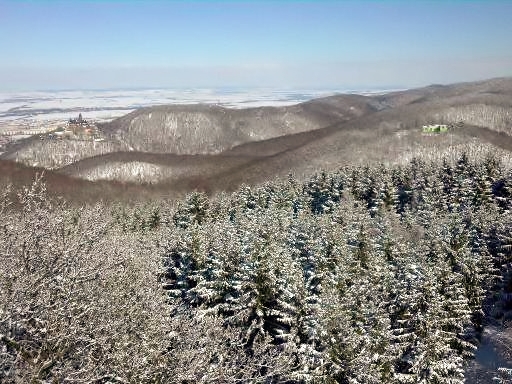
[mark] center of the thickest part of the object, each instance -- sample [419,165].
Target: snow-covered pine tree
[192,211]
[183,258]
[324,192]
[354,301]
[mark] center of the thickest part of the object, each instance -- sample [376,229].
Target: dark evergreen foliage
[371,274]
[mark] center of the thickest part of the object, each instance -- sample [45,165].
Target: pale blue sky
[311,44]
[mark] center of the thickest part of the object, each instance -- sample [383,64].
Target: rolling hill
[170,150]
[211,129]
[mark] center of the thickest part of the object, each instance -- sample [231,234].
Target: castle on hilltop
[80,126]
[80,121]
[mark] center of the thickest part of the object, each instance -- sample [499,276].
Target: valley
[210,147]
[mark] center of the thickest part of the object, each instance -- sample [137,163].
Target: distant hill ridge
[208,129]
[208,147]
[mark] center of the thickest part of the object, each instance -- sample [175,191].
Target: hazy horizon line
[226,89]
[237,88]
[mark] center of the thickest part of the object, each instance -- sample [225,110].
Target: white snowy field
[21,110]
[107,104]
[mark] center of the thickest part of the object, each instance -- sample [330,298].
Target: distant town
[75,129]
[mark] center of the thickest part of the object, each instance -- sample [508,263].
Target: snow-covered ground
[38,108]
[107,104]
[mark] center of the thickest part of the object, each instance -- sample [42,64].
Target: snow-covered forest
[371,274]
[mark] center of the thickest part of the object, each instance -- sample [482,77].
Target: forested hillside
[150,145]
[370,274]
